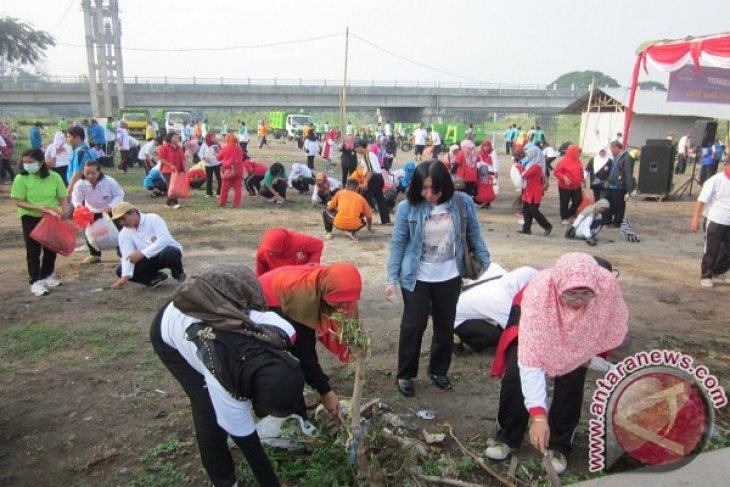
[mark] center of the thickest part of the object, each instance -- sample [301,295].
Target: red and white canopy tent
[671,55]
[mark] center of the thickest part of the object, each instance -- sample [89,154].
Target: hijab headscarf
[231,139]
[469,150]
[311,294]
[210,139]
[275,240]
[486,150]
[558,338]
[408,171]
[221,297]
[598,160]
[323,184]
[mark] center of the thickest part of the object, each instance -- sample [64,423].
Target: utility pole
[343,97]
[104,55]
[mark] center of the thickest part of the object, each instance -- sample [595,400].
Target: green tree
[581,80]
[652,85]
[21,44]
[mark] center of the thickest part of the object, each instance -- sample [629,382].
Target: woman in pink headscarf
[567,314]
[329,149]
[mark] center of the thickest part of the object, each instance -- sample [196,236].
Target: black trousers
[147,269]
[681,164]
[302,184]
[479,334]
[531,211]
[716,259]
[310,162]
[598,192]
[438,298]
[263,142]
[707,171]
[212,439]
[570,200]
[6,169]
[211,171]
[346,171]
[279,187]
[253,184]
[617,206]
[244,146]
[375,193]
[470,189]
[328,219]
[563,416]
[38,268]
[508,146]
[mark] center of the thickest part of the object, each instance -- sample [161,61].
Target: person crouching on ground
[484,307]
[38,191]
[324,189]
[427,261]
[275,184]
[146,248]
[200,336]
[307,297]
[588,223]
[231,157]
[196,177]
[99,193]
[154,182]
[569,313]
[348,211]
[300,178]
[280,247]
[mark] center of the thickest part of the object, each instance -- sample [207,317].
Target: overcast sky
[525,41]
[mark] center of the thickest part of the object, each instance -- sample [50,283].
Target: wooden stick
[445,481]
[478,460]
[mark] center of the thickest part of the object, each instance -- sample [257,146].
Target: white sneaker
[497,450]
[521,221]
[560,463]
[51,281]
[328,236]
[38,289]
[176,207]
[707,283]
[565,222]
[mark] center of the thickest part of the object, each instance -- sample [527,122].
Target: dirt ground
[84,400]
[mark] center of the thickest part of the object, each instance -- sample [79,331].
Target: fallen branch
[445,481]
[103,459]
[478,460]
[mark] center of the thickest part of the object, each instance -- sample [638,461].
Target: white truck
[174,120]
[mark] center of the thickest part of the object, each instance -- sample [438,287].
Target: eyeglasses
[573,296]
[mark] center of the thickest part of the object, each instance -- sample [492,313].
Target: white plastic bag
[102,234]
[516,177]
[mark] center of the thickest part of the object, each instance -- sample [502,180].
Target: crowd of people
[535,320]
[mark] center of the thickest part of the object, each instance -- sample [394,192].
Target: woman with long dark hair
[427,261]
[37,192]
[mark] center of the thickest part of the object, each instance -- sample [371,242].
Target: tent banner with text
[710,85]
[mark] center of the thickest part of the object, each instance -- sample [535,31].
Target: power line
[387,51]
[225,48]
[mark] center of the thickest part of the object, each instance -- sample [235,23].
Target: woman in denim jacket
[427,261]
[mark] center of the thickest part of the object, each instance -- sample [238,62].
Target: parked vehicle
[283,124]
[136,119]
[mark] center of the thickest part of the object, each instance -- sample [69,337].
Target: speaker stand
[686,187]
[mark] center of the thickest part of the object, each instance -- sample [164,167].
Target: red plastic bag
[82,217]
[55,234]
[178,186]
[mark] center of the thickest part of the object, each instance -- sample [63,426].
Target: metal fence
[311,82]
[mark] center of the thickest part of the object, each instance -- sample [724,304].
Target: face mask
[31,167]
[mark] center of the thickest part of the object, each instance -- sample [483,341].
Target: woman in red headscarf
[280,247]
[559,322]
[307,297]
[231,156]
[570,174]
[207,153]
[489,156]
[465,170]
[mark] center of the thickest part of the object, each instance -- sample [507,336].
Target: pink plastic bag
[55,234]
[178,186]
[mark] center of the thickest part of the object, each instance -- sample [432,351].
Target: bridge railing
[148,80]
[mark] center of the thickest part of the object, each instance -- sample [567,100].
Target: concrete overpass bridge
[397,100]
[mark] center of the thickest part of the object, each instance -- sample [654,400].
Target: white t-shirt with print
[716,195]
[419,136]
[438,250]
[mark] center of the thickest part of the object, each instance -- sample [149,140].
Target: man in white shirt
[435,144]
[301,178]
[716,195]
[123,142]
[683,153]
[147,152]
[146,248]
[419,140]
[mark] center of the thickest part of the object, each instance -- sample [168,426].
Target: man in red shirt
[172,157]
